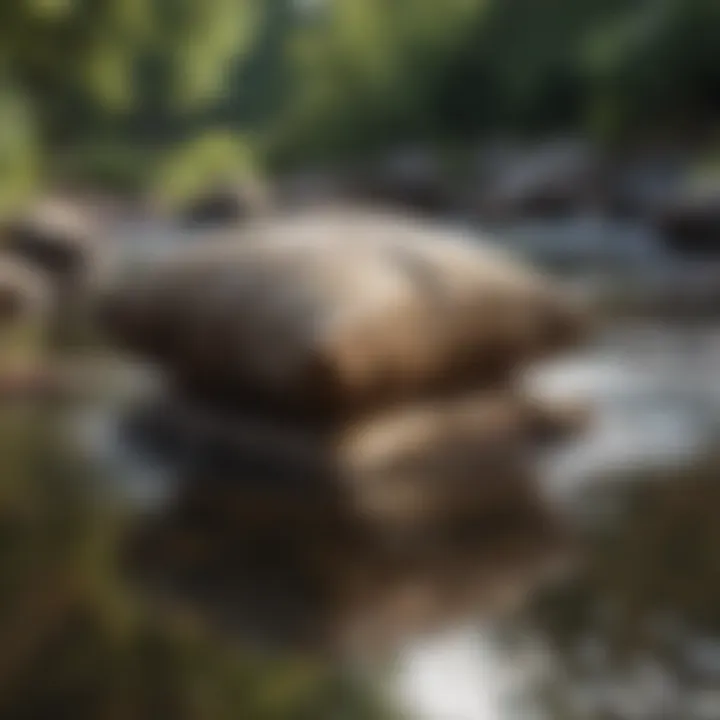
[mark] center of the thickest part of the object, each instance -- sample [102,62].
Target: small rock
[22,291]
[56,236]
[225,205]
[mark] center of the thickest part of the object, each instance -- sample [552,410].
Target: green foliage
[657,65]
[76,641]
[363,69]
[118,167]
[18,150]
[313,79]
[387,71]
[210,159]
[113,72]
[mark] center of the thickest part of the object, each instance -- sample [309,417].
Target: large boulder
[338,313]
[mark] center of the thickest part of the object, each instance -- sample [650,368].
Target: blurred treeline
[161,94]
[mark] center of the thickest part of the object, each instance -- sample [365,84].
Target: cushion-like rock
[339,311]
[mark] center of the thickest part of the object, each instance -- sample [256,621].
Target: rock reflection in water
[279,542]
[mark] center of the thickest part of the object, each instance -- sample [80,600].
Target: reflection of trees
[74,642]
[647,600]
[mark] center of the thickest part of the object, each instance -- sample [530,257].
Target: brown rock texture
[337,313]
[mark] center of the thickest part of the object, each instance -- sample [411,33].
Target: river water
[654,387]
[655,390]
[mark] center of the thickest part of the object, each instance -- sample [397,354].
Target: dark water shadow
[274,545]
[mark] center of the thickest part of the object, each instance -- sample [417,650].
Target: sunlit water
[655,391]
